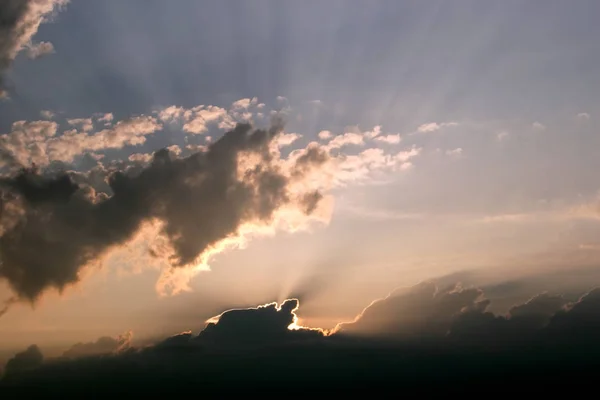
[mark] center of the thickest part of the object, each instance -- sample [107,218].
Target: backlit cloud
[19,22]
[37,142]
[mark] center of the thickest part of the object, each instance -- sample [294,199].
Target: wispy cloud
[434,126]
[456,153]
[583,116]
[538,126]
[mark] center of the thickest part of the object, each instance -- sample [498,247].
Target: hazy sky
[461,136]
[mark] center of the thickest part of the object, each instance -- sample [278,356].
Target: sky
[163,162]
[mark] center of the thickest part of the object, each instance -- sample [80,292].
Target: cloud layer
[418,337]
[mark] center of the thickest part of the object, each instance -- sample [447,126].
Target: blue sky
[499,100]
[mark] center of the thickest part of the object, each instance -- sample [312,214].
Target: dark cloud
[422,310]
[52,227]
[265,324]
[19,21]
[578,321]
[104,345]
[27,360]
[253,349]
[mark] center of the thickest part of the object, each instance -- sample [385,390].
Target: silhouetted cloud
[104,345]
[26,360]
[264,324]
[263,348]
[419,311]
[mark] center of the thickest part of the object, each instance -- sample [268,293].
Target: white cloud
[434,126]
[538,126]
[142,158]
[501,136]
[171,113]
[199,117]
[244,103]
[174,149]
[346,139]
[106,118]
[583,116]
[406,155]
[47,114]
[37,142]
[324,135]
[455,152]
[389,139]
[286,139]
[519,217]
[350,168]
[374,133]
[36,50]
[282,99]
[85,124]
[25,144]
[196,148]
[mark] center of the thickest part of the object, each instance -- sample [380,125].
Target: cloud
[47,114]
[324,135]
[37,142]
[27,360]
[253,191]
[286,139]
[538,126]
[578,321]
[198,118]
[374,133]
[586,210]
[389,139]
[455,152]
[502,136]
[419,311]
[104,345]
[244,103]
[267,324]
[583,116]
[85,124]
[519,217]
[143,158]
[345,169]
[434,126]
[419,337]
[19,22]
[106,118]
[36,50]
[52,227]
[346,139]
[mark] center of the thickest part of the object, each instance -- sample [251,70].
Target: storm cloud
[52,227]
